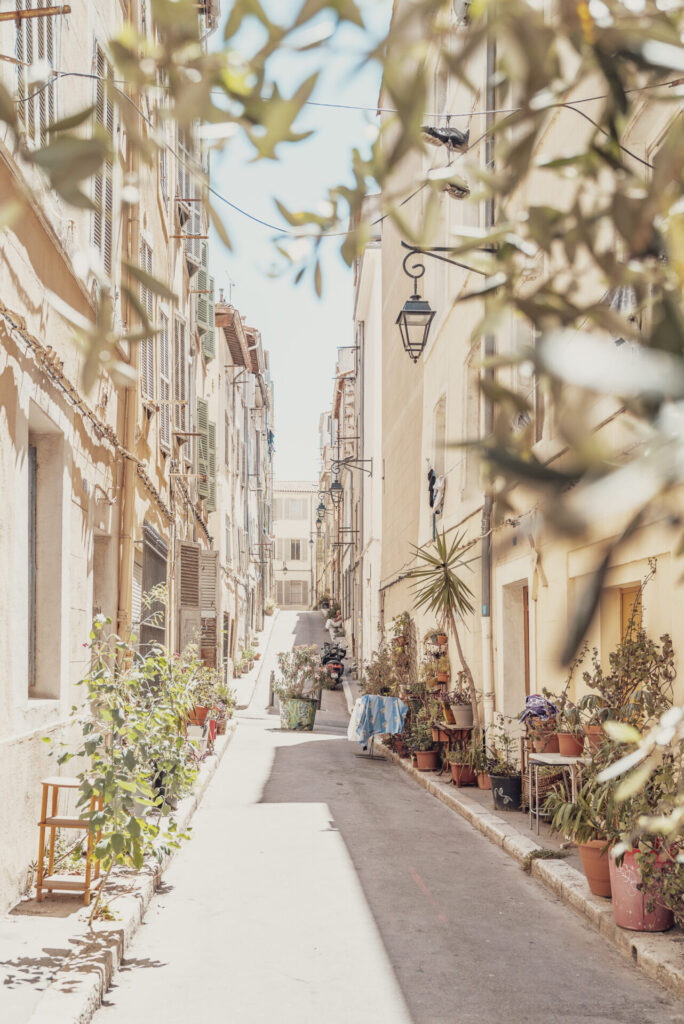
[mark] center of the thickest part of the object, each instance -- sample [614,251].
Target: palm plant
[439,589]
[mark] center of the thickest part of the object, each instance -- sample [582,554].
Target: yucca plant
[440,589]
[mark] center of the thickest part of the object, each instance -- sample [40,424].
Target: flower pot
[439,735]
[257,656]
[545,743]
[483,781]
[507,792]
[298,713]
[441,638]
[570,745]
[595,735]
[442,677]
[463,715]
[400,748]
[596,866]
[629,904]
[462,775]
[221,726]
[198,715]
[427,760]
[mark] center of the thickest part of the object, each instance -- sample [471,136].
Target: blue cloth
[374,715]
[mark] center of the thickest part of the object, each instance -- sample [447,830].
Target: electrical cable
[569,105]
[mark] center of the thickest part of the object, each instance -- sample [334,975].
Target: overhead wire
[282,230]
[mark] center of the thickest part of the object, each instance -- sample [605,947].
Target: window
[229,541]
[296,550]
[164,384]
[226,440]
[631,611]
[44,489]
[103,181]
[292,592]
[189,205]
[35,41]
[292,508]
[147,374]
[154,555]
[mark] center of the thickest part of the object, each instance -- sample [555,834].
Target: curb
[76,992]
[657,955]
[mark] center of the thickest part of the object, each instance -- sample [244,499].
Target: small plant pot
[595,736]
[297,714]
[221,727]
[507,792]
[570,745]
[257,656]
[463,715]
[427,760]
[462,775]
[545,743]
[442,677]
[439,735]
[400,748]
[629,903]
[442,639]
[483,781]
[596,866]
[198,715]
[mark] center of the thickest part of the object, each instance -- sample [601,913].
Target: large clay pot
[507,792]
[462,775]
[629,904]
[570,745]
[596,866]
[427,760]
[463,715]
[297,714]
[483,781]
[198,715]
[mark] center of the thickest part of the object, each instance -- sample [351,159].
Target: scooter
[332,659]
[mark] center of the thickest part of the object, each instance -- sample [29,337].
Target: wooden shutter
[147,369]
[209,609]
[226,440]
[189,592]
[203,448]
[202,304]
[209,339]
[180,375]
[103,181]
[136,596]
[211,466]
[229,541]
[164,384]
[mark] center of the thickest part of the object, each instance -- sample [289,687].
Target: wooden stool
[68,883]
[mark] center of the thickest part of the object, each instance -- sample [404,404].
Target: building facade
[295,549]
[155,473]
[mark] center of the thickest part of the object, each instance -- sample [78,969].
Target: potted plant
[539,718]
[504,772]
[442,669]
[379,677]
[570,731]
[479,760]
[461,709]
[585,821]
[458,759]
[302,679]
[269,607]
[422,745]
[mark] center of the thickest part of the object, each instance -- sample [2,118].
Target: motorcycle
[332,659]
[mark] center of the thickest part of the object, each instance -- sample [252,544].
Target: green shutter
[211,438]
[203,448]
[209,338]
[202,305]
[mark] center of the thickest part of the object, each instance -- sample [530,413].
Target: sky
[300,331]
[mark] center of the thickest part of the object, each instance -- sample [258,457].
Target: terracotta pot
[257,656]
[442,677]
[400,748]
[545,743]
[570,745]
[442,638]
[596,866]
[462,775]
[483,781]
[221,726]
[427,760]
[629,904]
[595,736]
[198,715]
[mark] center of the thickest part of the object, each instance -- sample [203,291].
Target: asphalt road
[321,887]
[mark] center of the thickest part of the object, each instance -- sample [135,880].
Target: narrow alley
[319,886]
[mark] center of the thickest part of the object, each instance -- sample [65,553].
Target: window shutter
[211,466]
[180,375]
[136,596]
[226,440]
[164,384]
[202,304]
[147,369]
[103,181]
[189,590]
[209,339]
[229,541]
[203,448]
[208,581]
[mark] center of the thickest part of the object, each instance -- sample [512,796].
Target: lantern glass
[336,491]
[414,325]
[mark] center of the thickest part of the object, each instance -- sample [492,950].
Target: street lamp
[336,491]
[416,317]
[321,510]
[284,569]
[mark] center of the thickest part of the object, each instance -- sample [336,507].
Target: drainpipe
[128,487]
[489,350]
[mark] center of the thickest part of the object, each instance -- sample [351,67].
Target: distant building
[295,550]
